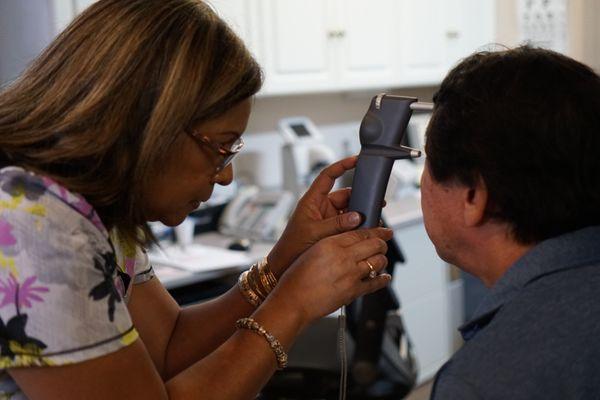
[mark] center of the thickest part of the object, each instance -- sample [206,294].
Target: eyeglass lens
[234,149]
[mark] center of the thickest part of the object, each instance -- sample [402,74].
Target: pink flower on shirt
[22,295]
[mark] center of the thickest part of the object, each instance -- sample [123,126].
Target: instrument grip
[371,177]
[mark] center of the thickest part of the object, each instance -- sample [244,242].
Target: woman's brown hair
[101,106]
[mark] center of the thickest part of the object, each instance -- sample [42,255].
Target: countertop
[397,214]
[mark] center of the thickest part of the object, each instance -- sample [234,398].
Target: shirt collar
[571,250]
[36,185]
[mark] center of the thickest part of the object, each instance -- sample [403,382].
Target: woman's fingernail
[354,218]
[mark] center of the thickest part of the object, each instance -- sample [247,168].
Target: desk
[173,278]
[398,215]
[403,213]
[187,286]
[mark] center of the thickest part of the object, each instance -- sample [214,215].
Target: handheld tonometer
[381,132]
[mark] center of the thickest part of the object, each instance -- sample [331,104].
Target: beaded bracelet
[252,325]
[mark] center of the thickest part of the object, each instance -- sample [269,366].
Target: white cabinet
[422,41]
[338,45]
[242,16]
[436,34]
[81,5]
[298,38]
[422,287]
[325,45]
[368,56]
[470,26]
[65,10]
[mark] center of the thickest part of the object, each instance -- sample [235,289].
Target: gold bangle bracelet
[264,277]
[247,292]
[255,283]
[265,282]
[264,270]
[274,344]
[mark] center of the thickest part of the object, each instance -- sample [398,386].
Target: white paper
[198,258]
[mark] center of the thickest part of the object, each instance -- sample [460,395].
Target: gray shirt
[537,333]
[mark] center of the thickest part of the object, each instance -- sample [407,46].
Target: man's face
[442,215]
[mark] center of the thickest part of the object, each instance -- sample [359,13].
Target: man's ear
[475,203]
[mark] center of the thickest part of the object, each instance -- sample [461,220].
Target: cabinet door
[421,284]
[471,27]
[423,59]
[62,13]
[297,35]
[242,16]
[369,42]
[81,5]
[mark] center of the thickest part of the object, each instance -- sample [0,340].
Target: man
[511,194]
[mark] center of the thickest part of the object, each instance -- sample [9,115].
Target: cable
[343,353]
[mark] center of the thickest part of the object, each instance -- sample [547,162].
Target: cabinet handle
[336,34]
[452,34]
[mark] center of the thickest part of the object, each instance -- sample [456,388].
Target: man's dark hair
[527,121]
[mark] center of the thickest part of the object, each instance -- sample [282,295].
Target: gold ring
[372,272]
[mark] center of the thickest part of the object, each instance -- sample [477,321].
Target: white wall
[584,19]
[323,109]
[583,28]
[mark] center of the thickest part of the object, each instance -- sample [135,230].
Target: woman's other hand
[334,272]
[319,214]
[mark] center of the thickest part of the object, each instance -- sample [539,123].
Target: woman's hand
[334,272]
[318,214]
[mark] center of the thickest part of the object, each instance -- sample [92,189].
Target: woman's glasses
[226,153]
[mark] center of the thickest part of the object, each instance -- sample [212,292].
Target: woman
[132,115]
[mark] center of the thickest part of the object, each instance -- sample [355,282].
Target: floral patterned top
[64,280]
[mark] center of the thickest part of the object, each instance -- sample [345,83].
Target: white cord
[343,353]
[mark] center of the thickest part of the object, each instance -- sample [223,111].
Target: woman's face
[189,174]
